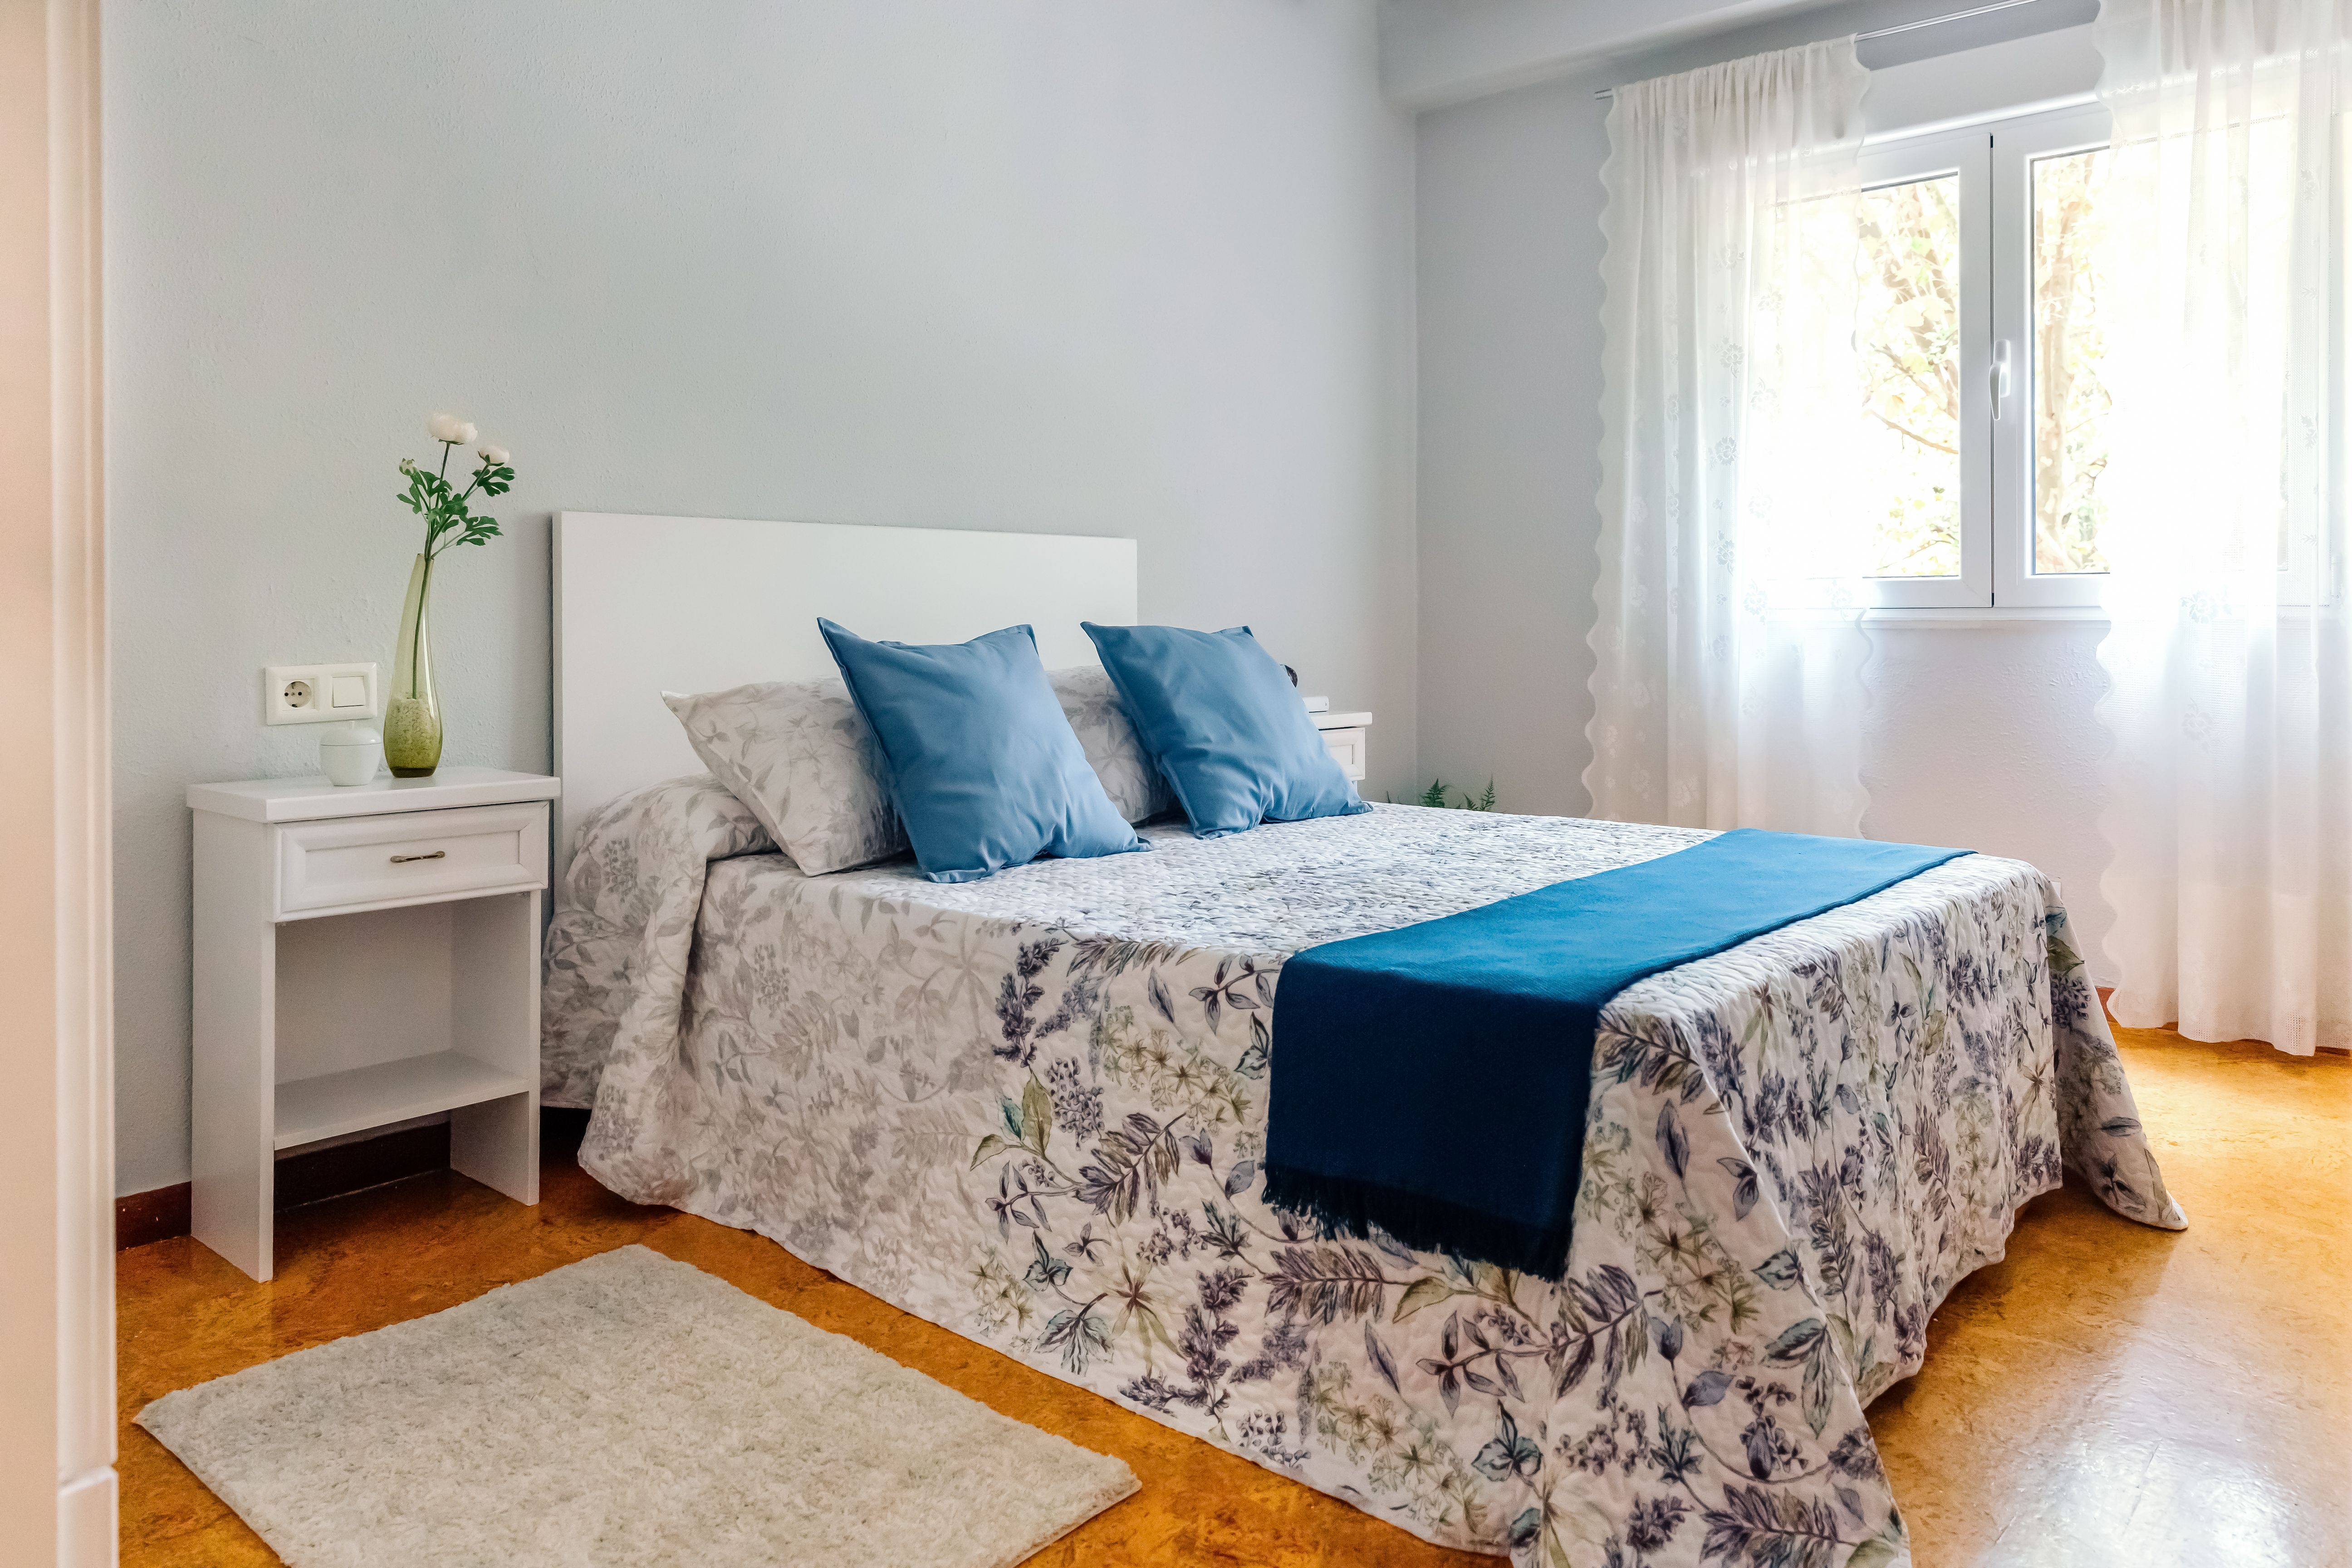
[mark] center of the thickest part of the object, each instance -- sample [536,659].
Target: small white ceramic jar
[348,754]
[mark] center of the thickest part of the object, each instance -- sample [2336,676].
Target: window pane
[2070,397]
[1910,342]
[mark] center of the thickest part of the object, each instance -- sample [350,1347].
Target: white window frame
[2015,144]
[1901,162]
[1994,159]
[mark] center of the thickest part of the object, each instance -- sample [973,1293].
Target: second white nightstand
[1343,737]
[362,956]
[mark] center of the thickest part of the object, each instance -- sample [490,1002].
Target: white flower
[450,429]
[495,456]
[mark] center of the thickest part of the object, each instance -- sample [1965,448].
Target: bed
[1031,1109]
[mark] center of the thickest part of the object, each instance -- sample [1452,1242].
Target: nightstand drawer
[373,862]
[1347,746]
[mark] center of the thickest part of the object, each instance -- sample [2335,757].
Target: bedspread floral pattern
[978,1104]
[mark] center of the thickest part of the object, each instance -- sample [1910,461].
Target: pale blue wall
[1139,268]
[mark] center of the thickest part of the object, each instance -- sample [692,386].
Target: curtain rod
[1905,28]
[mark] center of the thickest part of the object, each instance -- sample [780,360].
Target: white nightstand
[1343,737]
[362,956]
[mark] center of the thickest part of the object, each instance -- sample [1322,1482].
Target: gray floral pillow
[1092,706]
[799,756]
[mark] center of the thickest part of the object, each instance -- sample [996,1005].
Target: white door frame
[58,1486]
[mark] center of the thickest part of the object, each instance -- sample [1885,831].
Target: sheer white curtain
[2230,804]
[1728,649]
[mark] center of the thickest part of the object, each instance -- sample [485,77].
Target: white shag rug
[625,1409]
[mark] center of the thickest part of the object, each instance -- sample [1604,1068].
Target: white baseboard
[88,1524]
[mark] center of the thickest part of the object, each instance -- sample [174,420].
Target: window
[2070,393]
[1980,288]
[1910,342]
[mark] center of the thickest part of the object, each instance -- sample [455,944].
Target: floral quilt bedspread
[1031,1109]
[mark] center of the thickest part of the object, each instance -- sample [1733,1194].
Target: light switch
[317,693]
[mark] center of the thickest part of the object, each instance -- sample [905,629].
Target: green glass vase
[412,713]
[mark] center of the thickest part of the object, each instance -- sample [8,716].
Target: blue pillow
[984,769]
[1224,724]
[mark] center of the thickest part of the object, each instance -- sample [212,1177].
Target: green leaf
[1425,1291]
[991,1144]
[1037,1113]
[1875,1554]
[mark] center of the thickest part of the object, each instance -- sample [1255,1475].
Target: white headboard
[649,605]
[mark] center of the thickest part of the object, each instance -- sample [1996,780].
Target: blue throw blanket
[1384,1110]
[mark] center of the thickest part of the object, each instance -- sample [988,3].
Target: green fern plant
[1434,795]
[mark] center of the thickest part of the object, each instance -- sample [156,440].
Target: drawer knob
[437,854]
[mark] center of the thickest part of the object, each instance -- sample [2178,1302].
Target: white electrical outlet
[317,693]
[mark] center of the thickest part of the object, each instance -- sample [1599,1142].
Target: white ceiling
[1442,51]
[1436,52]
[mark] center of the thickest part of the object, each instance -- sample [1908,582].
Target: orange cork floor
[2108,1396]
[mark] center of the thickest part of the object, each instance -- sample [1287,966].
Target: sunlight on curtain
[1734,513]
[2223,503]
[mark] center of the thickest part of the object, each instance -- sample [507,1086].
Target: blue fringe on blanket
[1434,1081]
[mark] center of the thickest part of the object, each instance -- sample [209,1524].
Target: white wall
[1981,737]
[1140,268]
[1509,259]
[1985,738]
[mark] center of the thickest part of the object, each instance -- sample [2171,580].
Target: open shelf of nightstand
[309,1109]
[363,958]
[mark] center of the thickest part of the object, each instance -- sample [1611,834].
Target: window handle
[2000,375]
